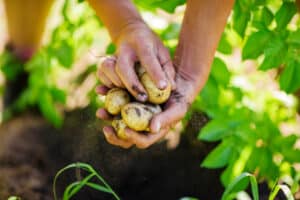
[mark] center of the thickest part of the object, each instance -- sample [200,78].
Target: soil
[32,151]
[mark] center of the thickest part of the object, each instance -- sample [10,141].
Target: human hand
[137,43]
[142,140]
[161,124]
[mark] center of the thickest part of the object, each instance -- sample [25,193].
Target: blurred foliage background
[252,95]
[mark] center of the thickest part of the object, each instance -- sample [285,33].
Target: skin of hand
[202,27]
[135,42]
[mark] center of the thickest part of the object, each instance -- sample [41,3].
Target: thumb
[174,113]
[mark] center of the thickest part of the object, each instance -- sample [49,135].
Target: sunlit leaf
[256,44]
[285,14]
[275,53]
[219,157]
[290,77]
[240,19]
[65,54]
[235,186]
[220,72]
[224,46]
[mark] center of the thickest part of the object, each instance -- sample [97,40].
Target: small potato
[155,95]
[119,126]
[115,99]
[137,116]
[139,70]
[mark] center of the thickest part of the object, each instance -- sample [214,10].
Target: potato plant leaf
[285,14]
[219,157]
[290,77]
[224,46]
[255,44]
[240,19]
[275,53]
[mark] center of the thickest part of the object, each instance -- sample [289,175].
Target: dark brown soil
[32,151]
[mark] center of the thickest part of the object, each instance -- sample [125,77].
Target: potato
[115,99]
[155,95]
[139,70]
[119,126]
[137,116]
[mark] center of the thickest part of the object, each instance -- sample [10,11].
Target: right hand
[137,43]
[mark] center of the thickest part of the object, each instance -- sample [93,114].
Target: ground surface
[31,152]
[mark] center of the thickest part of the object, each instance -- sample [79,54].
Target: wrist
[187,87]
[129,26]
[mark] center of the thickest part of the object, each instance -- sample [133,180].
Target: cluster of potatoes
[133,114]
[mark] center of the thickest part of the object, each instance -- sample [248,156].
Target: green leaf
[110,49]
[47,107]
[14,198]
[256,44]
[285,14]
[219,157]
[292,155]
[210,92]
[294,37]
[167,5]
[217,129]
[224,46]
[235,186]
[240,19]
[65,54]
[286,191]
[58,95]
[171,32]
[275,53]
[290,77]
[214,131]
[267,16]
[10,65]
[220,72]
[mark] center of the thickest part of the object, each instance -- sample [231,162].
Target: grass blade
[285,189]
[254,187]
[73,188]
[98,187]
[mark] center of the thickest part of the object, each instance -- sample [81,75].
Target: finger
[112,138]
[166,63]
[144,141]
[151,63]
[126,71]
[174,113]
[104,79]
[103,114]
[108,68]
[101,89]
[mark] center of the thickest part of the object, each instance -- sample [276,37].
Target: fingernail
[162,84]
[142,97]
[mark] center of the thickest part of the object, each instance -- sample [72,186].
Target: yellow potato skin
[115,99]
[137,116]
[119,126]
[155,95]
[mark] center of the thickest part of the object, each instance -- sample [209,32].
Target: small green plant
[75,187]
